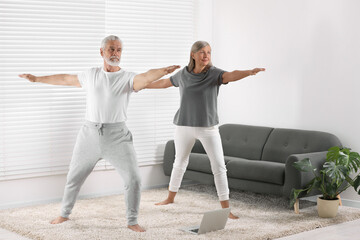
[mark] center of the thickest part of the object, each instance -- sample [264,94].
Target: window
[38,122]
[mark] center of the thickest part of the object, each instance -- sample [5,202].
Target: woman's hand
[238,74]
[256,70]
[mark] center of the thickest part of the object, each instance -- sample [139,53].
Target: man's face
[112,52]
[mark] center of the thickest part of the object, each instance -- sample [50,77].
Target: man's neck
[109,68]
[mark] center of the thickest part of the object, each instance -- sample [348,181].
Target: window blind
[38,122]
[155,34]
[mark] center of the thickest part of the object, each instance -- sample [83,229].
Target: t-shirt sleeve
[217,73]
[176,78]
[84,77]
[131,76]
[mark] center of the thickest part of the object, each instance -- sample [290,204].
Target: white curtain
[38,122]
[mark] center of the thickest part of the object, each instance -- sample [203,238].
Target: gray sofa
[259,159]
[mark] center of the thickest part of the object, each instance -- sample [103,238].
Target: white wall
[30,191]
[311,52]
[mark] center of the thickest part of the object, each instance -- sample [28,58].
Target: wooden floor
[6,235]
[343,231]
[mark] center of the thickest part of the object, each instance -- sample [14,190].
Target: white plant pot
[327,208]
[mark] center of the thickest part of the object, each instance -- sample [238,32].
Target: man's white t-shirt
[107,94]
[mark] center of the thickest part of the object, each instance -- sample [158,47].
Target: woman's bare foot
[59,220]
[165,202]
[170,199]
[136,228]
[226,204]
[232,216]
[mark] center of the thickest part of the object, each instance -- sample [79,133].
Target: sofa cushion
[255,170]
[284,142]
[243,140]
[199,162]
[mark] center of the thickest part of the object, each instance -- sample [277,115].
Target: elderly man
[104,134]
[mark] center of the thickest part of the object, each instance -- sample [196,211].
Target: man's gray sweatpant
[110,141]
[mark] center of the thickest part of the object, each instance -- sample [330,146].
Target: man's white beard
[111,61]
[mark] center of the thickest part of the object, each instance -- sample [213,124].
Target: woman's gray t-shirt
[198,97]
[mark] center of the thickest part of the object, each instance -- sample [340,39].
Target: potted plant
[334,178]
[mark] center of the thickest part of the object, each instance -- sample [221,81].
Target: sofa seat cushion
[200,162]
[255,170]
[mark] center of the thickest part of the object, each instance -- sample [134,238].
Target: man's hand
[172,68]
[144,79]
[29,77]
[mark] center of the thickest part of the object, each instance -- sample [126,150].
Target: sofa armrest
[297,179]
[169,157]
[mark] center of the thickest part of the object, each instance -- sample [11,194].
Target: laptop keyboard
[195,230]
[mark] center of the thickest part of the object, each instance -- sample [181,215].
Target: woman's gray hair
[197,46]
[109,38]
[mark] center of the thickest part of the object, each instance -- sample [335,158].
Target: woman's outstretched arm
[238,74]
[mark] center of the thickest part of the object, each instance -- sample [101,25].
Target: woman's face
[202,57]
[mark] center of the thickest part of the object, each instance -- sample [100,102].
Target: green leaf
[338,155]
[354,159]
[336,173]
[331,190]
[357,183]
[345,151]
[317,183]
[333,154]
[294,195]
[304,165]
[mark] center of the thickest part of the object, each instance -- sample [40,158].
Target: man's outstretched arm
[58,79]
[162,83]
[144,79]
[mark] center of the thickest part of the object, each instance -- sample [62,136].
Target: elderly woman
[197,117]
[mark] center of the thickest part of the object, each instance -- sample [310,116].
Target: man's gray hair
[197,46]
[109,38]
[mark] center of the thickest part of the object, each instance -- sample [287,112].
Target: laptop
[211,221]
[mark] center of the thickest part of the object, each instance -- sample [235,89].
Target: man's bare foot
[59,220]
[165,202]
[136,228]
[232,216]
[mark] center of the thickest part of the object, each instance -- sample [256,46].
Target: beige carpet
[261,217]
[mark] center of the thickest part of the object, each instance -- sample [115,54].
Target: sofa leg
[296,206]
[340,203]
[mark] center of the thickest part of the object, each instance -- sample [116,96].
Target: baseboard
[26,204]
[345,202]
[350,203]
[86,196]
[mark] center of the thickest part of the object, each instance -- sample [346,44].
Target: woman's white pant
[185,138]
